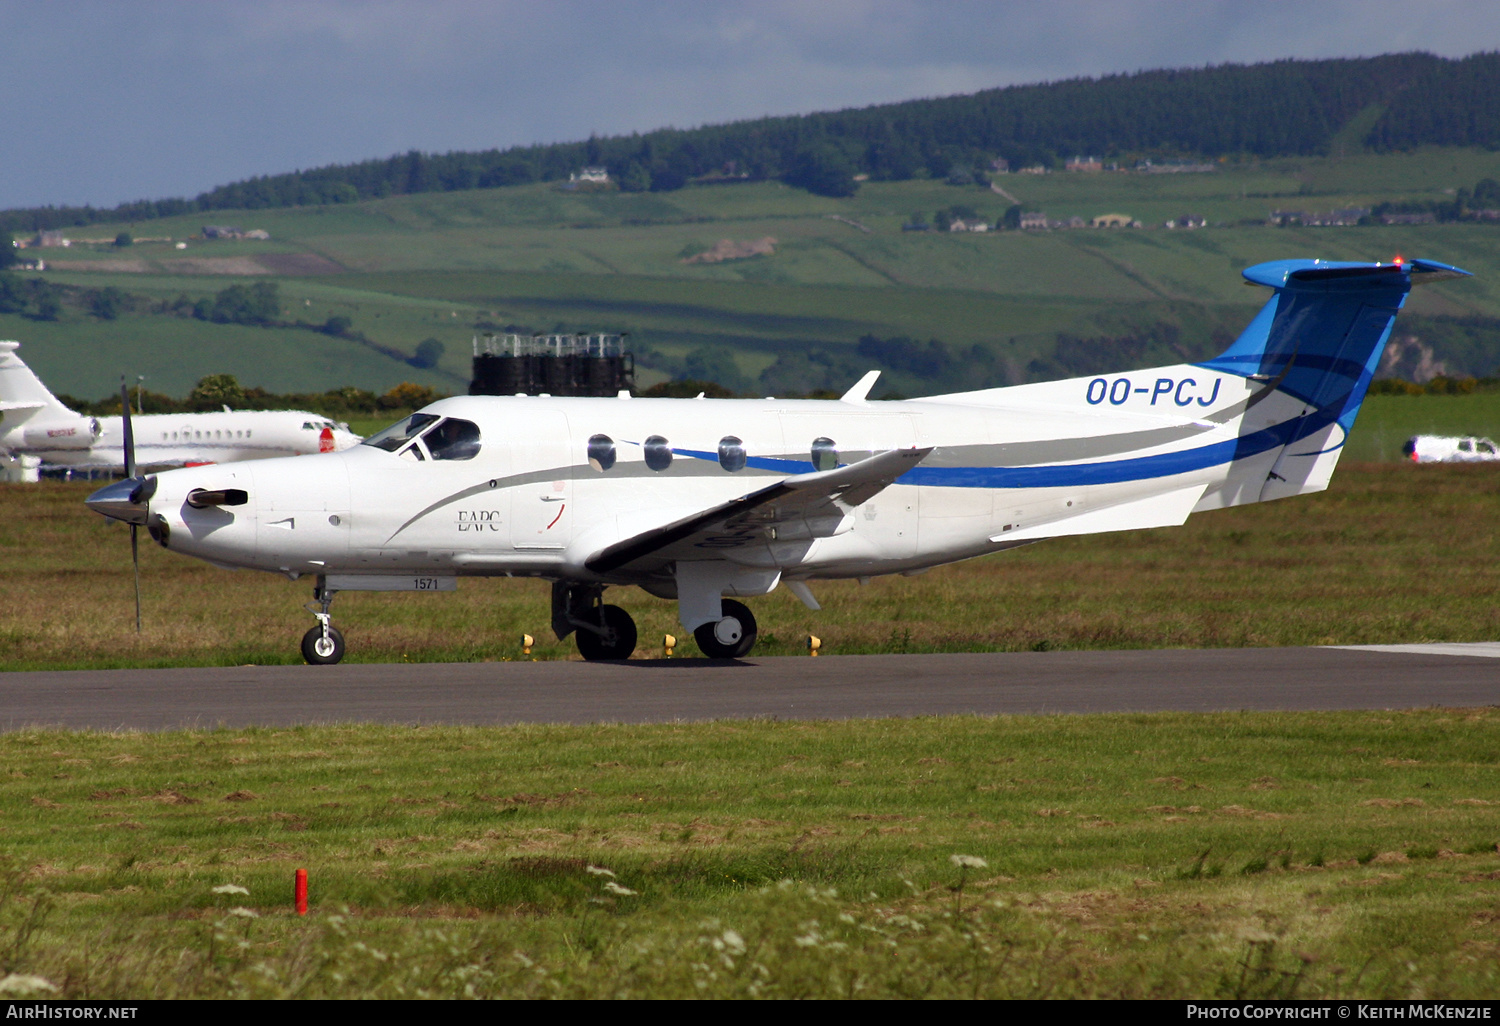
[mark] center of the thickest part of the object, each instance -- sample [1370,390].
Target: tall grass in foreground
[1169,855]
[1390,553]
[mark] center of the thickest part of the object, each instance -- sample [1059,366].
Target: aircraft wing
[801,506]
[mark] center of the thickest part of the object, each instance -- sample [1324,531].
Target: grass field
[1170,856]
[1391,553]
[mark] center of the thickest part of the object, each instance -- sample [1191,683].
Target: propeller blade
[128,431]
[135,560]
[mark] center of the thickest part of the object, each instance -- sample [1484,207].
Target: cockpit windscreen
[398,434]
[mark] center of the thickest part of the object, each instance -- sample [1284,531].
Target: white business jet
[34,424]
[695,500]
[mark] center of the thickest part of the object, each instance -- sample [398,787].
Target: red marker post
[300,892]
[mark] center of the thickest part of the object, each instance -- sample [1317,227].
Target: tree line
[216,391]
[1289,107]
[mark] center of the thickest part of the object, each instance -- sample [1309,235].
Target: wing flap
[818,503]
[1169,509]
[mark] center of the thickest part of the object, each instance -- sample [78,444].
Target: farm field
[1389,554]
[435,265]
[1308,855]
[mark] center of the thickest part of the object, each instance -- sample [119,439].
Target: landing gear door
[540,505]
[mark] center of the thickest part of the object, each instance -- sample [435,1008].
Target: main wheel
[732,637]
[321,651]
[616,642]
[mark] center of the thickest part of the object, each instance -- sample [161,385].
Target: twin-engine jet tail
[22,394]
[1317,343]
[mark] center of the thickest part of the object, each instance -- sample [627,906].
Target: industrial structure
[587,365]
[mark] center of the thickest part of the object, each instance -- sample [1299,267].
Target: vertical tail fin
[1319,340]
[22,393]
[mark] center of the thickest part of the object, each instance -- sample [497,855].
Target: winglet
[861,390]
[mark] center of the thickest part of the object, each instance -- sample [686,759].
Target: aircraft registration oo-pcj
[698,499]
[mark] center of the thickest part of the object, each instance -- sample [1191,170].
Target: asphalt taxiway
[828,687]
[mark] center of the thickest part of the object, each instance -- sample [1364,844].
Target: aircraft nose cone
[123,500]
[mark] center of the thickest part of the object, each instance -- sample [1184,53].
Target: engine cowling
[60,433]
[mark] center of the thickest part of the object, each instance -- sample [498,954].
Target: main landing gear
[604,632]
[607,632]
[732,637]
[323,645]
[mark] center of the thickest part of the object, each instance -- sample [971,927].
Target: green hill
[1006,306]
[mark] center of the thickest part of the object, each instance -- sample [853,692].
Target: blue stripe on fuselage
[1165,464]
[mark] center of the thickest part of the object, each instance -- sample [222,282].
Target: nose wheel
[732,636]
[323,645]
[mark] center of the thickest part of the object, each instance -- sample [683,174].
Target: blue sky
[114,100]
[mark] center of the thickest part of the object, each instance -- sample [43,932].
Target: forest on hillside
[1283,108]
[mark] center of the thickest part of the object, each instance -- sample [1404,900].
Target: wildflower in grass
[614,888]
[244,913]
[230,889]
[968,862]
[599,871]
[20,985]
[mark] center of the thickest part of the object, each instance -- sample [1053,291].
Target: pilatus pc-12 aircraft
[696,500]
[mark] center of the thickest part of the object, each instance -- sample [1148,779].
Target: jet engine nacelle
[60,433]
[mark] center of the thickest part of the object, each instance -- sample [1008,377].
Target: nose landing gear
[323,645]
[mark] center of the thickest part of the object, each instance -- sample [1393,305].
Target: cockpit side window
[398,434]
[453,439]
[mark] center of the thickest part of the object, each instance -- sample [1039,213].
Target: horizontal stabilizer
[802,499]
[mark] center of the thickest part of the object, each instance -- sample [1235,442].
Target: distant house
[1174,167]
[1033,219]
[1000,166]
[1426,217]
[1083,164]
[1187,221]
[50,239]
[1114,221]
[1035,169]
[257,233]
[222,231]
[590,174]
[960,225]
[1345,216]
[1074,222]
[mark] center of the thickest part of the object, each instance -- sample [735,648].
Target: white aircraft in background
[700,499]
[34,424]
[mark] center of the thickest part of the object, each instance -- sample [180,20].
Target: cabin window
[1487,447]
[453,439]
[398,434]
[658,453]
[731,453]
[601,452]
[1466,446]
[247,432]
[825,455]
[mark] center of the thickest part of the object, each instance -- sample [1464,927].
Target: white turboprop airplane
[701,499]
[33,423]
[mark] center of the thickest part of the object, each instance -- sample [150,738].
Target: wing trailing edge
[817,499]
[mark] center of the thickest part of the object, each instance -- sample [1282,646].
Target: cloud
[110,102]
